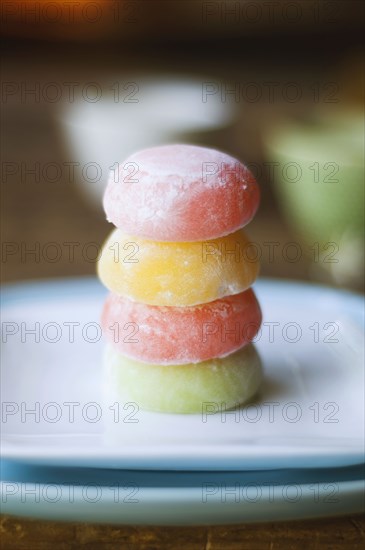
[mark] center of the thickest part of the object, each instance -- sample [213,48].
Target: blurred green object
[318,167]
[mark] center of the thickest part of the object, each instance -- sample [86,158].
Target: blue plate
[179,498]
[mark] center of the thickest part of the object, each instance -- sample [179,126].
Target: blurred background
[277,84]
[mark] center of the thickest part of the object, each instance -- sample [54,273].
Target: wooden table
[328,534]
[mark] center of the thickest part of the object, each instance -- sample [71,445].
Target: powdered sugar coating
[180,193]
[175,335]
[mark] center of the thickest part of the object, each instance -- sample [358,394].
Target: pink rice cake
[180,193]
[169,335]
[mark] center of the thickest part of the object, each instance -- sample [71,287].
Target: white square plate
[309,413]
